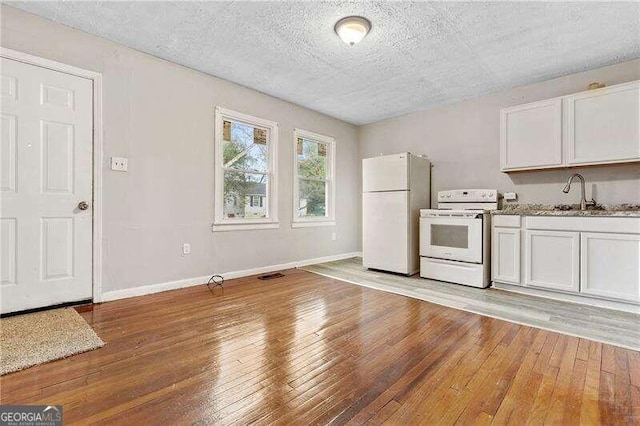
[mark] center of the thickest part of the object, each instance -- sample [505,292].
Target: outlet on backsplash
[510,196]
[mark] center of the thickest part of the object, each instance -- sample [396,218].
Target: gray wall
[463,142]
[160,116]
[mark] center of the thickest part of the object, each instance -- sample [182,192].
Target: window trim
[330,218]
[271,221]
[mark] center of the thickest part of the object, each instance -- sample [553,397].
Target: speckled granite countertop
[628,210]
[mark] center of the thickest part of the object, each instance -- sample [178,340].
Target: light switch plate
[119,164]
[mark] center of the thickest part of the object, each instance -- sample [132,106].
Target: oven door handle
[455,215]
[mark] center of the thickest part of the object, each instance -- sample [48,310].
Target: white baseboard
[188,282]
[125,293]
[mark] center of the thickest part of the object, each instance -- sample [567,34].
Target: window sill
[312,223]
[243,226]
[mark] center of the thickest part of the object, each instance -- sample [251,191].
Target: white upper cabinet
[594,127]
[531,135]
[603,125]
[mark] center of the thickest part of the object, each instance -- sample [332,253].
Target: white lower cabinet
[596,257]
[552,260]
[505,256]
[610,265]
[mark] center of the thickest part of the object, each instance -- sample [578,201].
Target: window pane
[244,147]
[312,200]
[245,195]
[312,159]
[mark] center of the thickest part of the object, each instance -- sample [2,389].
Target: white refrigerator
[394,189]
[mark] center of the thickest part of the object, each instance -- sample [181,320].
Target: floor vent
[271,276]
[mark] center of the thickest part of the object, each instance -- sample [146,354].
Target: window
[245,172]
[257,201]
[314,182]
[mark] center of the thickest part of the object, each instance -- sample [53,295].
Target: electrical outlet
[334,236]
[119,164]
[510,196]
[186,248]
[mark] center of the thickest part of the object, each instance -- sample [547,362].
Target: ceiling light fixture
[352,29]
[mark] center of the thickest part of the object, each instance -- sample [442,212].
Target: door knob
[83,205]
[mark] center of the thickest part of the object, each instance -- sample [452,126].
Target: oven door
[452,238]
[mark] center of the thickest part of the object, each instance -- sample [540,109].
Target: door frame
[96,79]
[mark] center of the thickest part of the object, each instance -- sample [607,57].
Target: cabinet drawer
[625,225]
[455,272]
[507,221]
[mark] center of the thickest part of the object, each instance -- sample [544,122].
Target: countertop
[626,210]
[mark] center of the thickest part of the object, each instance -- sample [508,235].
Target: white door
[552,260]
[386,173]
[603,125]
[531,135]
[505,261]
[385,231]
[452,238]
[610,265]
[46,159]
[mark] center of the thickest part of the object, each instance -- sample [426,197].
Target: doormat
[271,276]
[32,339]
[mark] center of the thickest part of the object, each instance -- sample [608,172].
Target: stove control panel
[468,196]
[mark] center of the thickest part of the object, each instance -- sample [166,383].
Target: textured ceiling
[418,54]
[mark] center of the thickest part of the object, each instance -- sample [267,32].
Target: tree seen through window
[312,178]
[245,163]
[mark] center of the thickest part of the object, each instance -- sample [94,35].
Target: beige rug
[32,339]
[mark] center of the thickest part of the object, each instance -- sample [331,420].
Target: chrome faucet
[583,202]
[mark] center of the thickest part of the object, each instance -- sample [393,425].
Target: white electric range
[455,243]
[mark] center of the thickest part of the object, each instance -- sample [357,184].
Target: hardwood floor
[590,322]
[306,349]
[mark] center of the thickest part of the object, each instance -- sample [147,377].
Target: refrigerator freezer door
[385,231]
[386,173]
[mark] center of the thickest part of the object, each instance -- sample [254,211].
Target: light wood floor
[594,323]
[305,349]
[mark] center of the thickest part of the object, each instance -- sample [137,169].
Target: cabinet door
[505,259]
[552,260]
[610,265]
[531,135]
[602,126]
